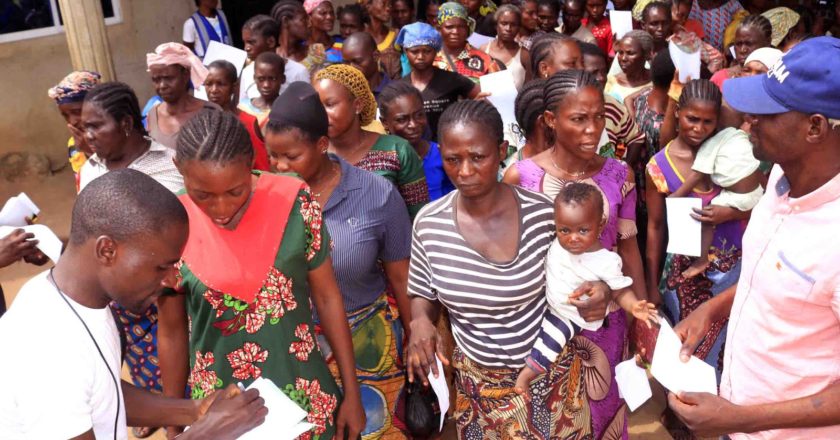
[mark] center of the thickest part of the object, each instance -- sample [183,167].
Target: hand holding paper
[17,210]
[676,375]
[684,232]
[438,385]
[48,242]
[632,383]
[285,420]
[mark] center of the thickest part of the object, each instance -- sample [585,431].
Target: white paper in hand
[17,209]
[693,376]
[621,22]
[218,51]
[477,40]
[684,232]
[632,383]
[285,419]
[48,242]
[438,385]
[687,63]
[502,89]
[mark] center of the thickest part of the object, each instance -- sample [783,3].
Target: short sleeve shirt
[445,89]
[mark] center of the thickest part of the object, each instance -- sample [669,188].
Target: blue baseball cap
[806,80]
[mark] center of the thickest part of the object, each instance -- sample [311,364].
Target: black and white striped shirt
[496,309]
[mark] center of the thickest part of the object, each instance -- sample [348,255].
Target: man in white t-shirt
[260,35]
[207,24]
[60,375]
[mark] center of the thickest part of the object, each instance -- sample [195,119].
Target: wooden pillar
[84,25]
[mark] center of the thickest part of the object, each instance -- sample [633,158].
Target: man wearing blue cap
[781,377]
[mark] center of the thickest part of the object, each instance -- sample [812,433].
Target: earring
[127,132]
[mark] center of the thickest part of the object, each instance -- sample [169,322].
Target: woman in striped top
[492,283]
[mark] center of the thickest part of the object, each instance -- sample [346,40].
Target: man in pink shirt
[782,355]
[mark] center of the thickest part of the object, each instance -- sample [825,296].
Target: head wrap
[311,5]
[783,20]
[168,54]
[74,87]
[450,10]
[418,34]
[353,80]
[300,107]
[765,55]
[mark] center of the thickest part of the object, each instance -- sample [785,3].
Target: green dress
[234,340]
[393,158]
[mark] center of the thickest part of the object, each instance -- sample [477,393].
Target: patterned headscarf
[450,10]
[418,34]
[311,5]
[783,20]
[353,80]
[168,54]
[74,87]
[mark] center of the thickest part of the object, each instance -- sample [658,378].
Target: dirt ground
[55,196]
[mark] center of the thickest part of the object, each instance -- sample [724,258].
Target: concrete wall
[29,120]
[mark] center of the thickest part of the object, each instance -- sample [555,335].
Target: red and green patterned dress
[248,299]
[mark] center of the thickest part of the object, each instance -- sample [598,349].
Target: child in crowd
[268,77]
[207,24]
[576,256]
[598,23]
[351,19]
[727,159]
[402,114]
[260,34]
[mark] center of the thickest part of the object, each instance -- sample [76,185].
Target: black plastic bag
[422,411]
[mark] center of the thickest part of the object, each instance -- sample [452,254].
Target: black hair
[656,5]
[760,23]
[578,193]
[700,90]
[352,9]
[561,84]
[124,204]
[591,50]
[263,25]
[214,136]
[364,38]
[566,2]
[227,67]
[551,3]
[682,2]
[529,105]
[273,59]
[662,69]
[409,2]
[473,111]
[286,10]
[392,91]
[806,17]
[543,47]
[118,100]
[306,132]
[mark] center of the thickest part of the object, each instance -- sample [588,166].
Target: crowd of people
[348,208]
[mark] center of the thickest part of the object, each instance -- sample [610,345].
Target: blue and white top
[368,222]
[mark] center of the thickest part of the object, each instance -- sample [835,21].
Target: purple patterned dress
[600,351]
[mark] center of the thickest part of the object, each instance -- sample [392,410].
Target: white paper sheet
[687,63]
[621,23]
[17,209]
[219,51]
[684,233]
[503,92]
[676,375]
[477,40]
[285,419]
[633,385]
[48,242]
[438,385]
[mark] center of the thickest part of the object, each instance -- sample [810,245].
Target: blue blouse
[368,222]
[439,184]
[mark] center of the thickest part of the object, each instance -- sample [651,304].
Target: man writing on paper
[780,377]
[60,374]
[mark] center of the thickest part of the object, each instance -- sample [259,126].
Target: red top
[260,153]
[602,31]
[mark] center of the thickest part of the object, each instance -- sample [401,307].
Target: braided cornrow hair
[543,47]
[760,23]
[529,105]
[214,136]
[701,90]
[118,100]
[561,84]
[392,91]
[286,10]
[473,111]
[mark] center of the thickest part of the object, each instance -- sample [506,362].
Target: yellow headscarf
[353,80]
